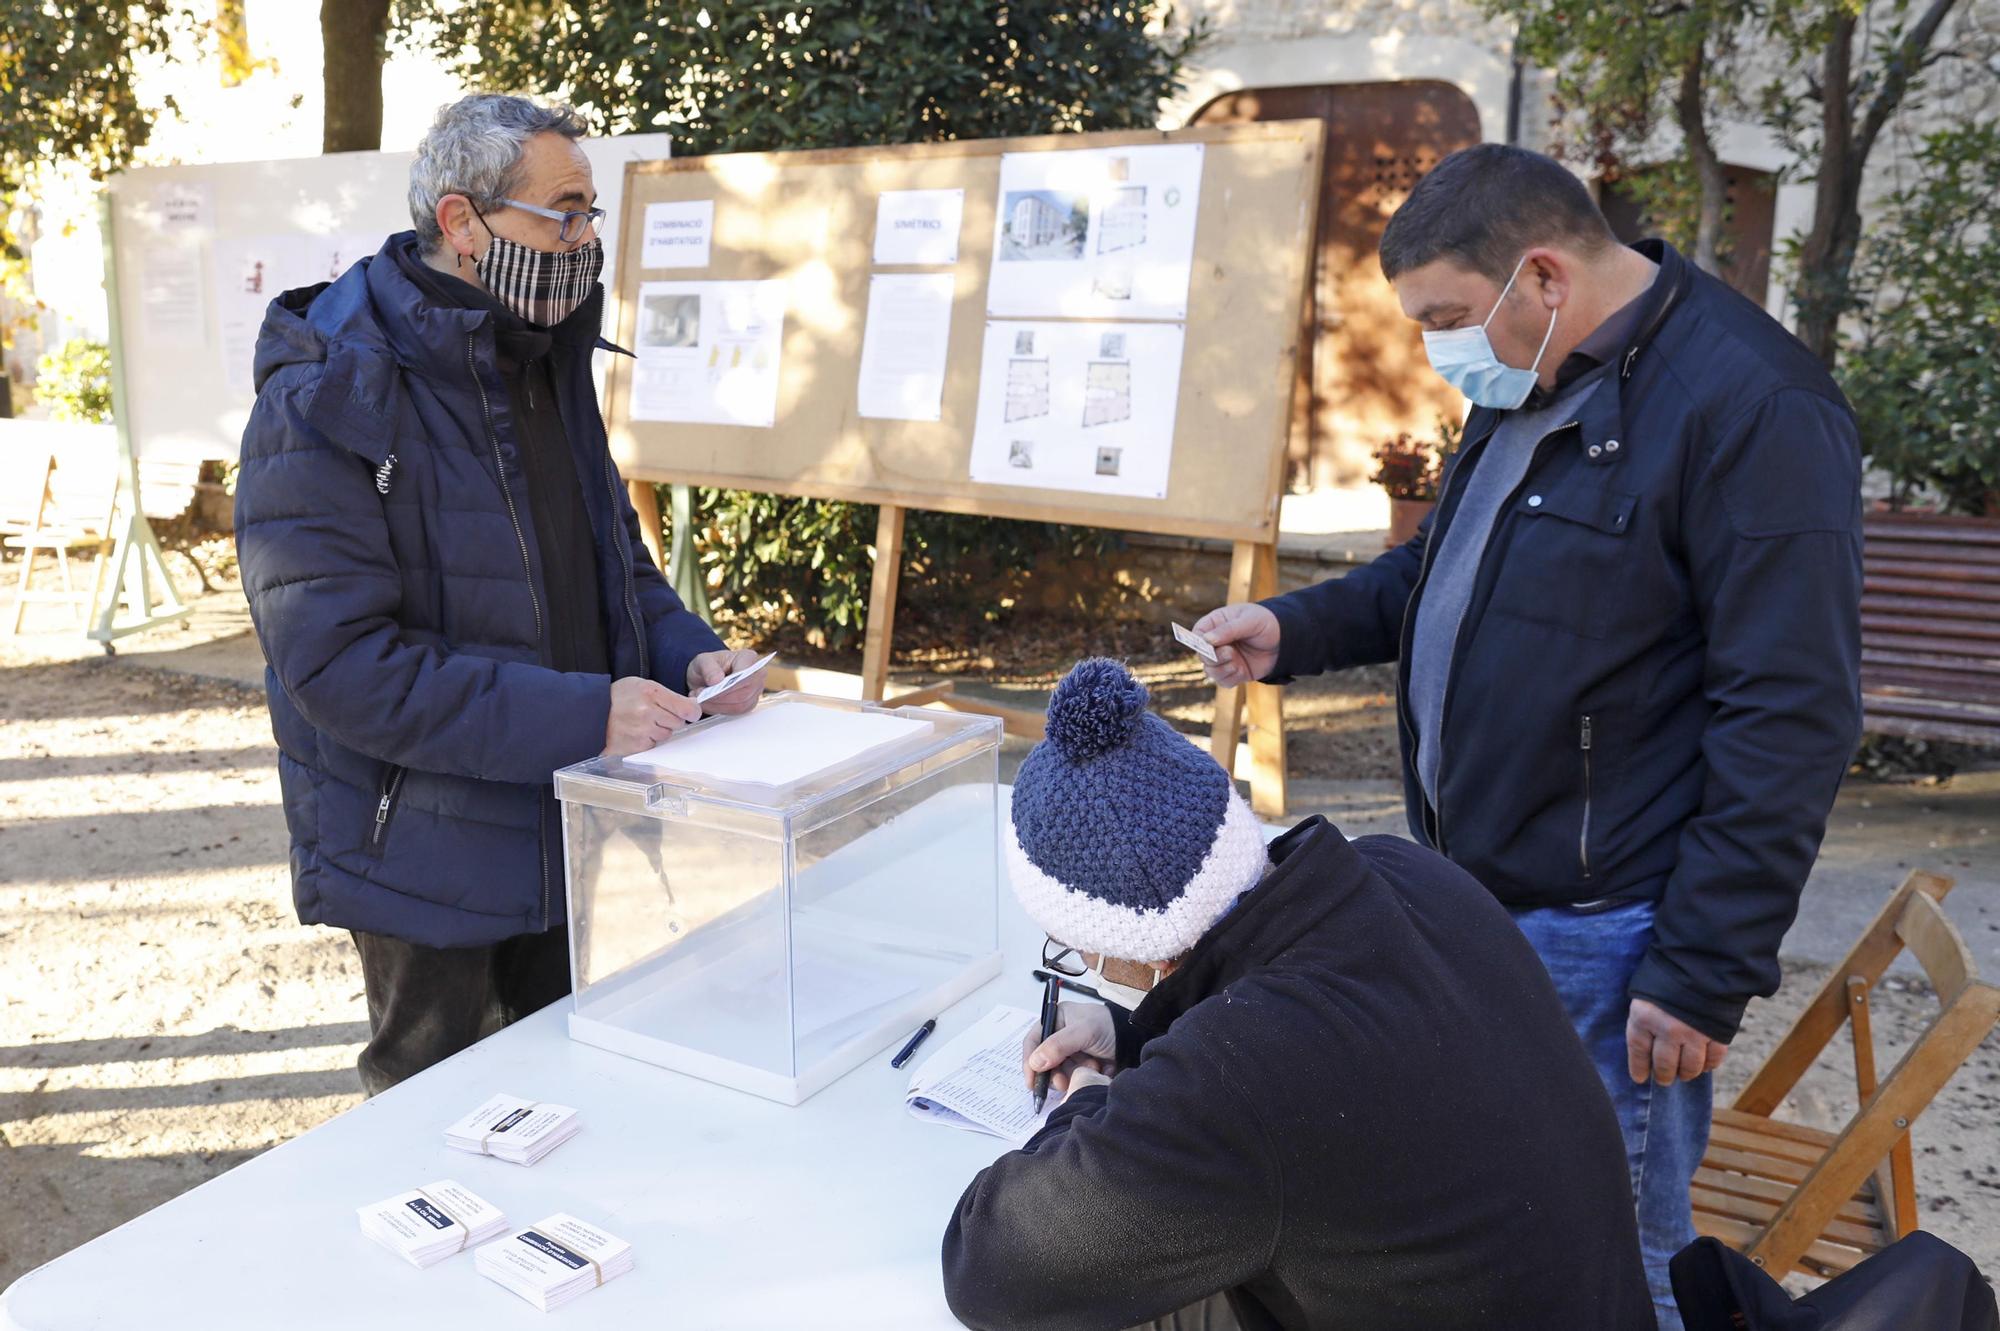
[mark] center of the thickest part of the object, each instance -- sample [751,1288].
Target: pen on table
[1051,1006]
[1070,985]
[915,1040]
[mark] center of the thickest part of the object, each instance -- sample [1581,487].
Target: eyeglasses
[1062,960]
[574,225]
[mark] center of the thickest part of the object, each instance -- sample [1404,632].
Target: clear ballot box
[766,901]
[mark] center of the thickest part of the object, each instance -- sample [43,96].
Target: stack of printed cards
[513,1129]
[1195,643]
[555,1261]
[428,1224]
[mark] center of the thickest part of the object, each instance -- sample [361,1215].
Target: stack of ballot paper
[428,1224]
[975,1082]
[513,1129]
[555,1261]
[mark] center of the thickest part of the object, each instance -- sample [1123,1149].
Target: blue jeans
[1591,959]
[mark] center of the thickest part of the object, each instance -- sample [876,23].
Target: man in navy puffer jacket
[449,584]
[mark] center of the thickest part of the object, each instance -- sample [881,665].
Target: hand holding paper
[727,682]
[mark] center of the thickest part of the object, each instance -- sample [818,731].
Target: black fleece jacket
[1357,1104]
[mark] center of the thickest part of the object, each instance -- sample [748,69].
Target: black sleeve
[1348,621]
[1135,1200]
[1773,532]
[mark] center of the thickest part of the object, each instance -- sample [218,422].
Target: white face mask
[1466,360]
[1124,995]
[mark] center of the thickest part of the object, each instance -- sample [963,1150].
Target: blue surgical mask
[1464,356]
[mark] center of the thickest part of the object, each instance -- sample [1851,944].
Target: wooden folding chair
[1794,1197]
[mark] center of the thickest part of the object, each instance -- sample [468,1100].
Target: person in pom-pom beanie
[1345,1095]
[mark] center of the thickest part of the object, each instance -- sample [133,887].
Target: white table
[742,1213]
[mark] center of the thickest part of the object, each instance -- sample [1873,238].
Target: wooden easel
[810,217]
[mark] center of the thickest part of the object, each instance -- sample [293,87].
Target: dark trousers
[427,1003]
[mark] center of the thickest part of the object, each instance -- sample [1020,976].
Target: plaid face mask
[542,287]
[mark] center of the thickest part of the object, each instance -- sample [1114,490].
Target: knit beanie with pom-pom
[1126,838]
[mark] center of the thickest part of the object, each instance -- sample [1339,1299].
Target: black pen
[1070,985]
[915,1040]
[1051,1007]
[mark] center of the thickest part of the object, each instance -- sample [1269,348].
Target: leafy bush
[75,381]
[1920,368]
[812,561]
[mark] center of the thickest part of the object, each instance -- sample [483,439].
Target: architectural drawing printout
[709,352]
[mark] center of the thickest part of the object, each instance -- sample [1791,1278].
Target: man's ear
[1547,276]
[455,220]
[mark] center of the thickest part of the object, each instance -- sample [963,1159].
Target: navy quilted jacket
[386,548]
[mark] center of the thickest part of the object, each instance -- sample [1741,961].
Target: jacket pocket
[1569,561]
[388,793]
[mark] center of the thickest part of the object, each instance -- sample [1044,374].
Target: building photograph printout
[1096,233]
[709,352]
[1078,406]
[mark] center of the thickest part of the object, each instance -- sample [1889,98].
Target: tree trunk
[355,35]
[1826,256]
[1707,168]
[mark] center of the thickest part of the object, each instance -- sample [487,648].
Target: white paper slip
[1195,643]
[426,1225]
[975,1083]
[555,1261]
[779,743]
[728,682]
[513,1129]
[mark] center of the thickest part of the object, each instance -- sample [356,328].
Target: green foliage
[760,75]
[1618,72]
[1920,368]
[767,75]
[68,84]
[812,561]
[75,381]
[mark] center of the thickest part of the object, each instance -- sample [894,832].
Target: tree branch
[1896,76]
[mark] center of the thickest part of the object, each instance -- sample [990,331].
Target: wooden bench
[1930,627]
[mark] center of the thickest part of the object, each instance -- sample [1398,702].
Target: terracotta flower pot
[1404,517]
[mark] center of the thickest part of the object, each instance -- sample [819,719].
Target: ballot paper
[1195,643]
[779,743]
[554,1262]
[975,1082]
[724,685]
[426,1225]
[514,1129]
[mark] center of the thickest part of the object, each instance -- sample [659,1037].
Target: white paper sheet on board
[918,226]
[183,206]
[1102,233]
[170,291]
[1078,406]
[678,234]
[780,744]
[709,352]
[904,346]
[248,272]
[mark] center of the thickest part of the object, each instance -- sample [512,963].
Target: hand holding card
[1195,643]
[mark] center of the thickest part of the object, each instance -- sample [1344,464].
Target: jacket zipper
[1583,837]
[528,569]
[625,559]
[385,809]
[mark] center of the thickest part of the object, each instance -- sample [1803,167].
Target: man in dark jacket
[449,583]
[1629,636]
[1350,1099]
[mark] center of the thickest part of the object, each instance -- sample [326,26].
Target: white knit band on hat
[1091,924]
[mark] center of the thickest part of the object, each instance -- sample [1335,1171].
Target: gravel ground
[163,1016]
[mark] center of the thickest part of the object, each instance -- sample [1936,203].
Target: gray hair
[474,148]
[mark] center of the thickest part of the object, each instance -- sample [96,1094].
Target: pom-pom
[1095,708]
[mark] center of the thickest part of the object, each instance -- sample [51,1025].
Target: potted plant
[1409,468]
